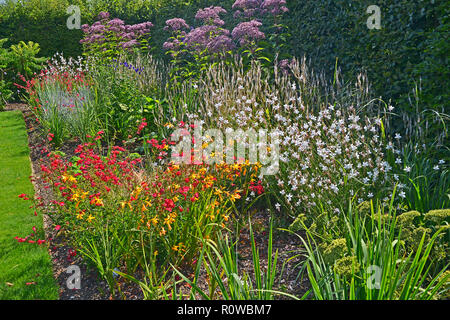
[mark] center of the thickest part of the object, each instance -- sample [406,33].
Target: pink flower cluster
[127,36]
[248,32]
[211,15]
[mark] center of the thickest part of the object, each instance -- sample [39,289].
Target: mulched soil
[93,288]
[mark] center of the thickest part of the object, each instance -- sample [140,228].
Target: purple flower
[129,44]
[111,30]
[248,32]
[199,37]
[284,65]
[247,4]
[172,45]
[176,24]
[97,28]
[211,15]
[275,7]
[116,22]
[103,15]
[209,37]
[220,44]
[250,8]
[85,28]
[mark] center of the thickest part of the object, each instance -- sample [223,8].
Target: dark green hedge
[413,43]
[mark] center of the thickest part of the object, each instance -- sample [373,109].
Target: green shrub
[24,60]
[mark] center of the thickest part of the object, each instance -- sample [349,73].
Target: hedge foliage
[412,45]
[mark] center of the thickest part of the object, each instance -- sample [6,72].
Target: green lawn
[20,263]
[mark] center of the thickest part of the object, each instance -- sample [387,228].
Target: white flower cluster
[328,154]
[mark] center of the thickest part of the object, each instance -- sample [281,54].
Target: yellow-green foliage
[334,250]
[407,219]
[438,216]
[347,266]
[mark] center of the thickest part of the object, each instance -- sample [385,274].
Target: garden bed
[94,288]
[229,169]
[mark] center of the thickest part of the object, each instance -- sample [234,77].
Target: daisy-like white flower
[407,169]
[277,206]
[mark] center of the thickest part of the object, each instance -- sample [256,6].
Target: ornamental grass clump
[61,97]
[372,261]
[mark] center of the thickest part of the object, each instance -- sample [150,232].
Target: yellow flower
[124,203]
[75,196]
[236,195]
[69,178]
[236,166]
[162,232]
[175,248]
[97,201]
[80,215]
[175,199]
[154,220]
[194,176]
[90,218]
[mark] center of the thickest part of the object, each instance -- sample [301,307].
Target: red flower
[169,205]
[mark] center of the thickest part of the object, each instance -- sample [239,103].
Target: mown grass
[20,263]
